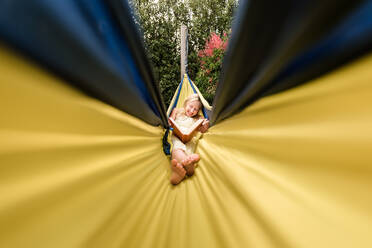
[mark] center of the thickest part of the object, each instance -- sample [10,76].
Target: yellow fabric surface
[292,170]
[74,171]
[295,169]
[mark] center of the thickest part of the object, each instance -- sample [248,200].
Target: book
[185,136]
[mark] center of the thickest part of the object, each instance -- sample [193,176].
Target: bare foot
[178,172]
[189,163]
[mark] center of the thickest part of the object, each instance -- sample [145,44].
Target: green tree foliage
[160,22]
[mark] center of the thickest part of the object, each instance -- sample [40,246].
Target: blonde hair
[192,98]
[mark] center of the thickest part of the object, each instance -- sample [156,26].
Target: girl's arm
[173,114]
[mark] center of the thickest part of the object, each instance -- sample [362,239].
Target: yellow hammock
[292,170]
[185,89]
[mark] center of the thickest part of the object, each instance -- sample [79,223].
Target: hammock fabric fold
[287,162]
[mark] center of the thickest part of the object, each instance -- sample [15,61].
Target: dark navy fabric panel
[122,13]
[351,39]
[81,41]
[270,41]
[166,144]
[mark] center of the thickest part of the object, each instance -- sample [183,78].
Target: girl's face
[192,108]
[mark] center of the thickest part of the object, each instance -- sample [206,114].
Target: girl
[183,159]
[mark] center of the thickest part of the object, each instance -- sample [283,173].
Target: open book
[185,136]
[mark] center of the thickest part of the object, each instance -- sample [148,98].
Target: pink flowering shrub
[214,42]
[210,64]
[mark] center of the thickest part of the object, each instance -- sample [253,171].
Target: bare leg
[190,162]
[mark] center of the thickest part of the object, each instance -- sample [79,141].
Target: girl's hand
[205,125]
